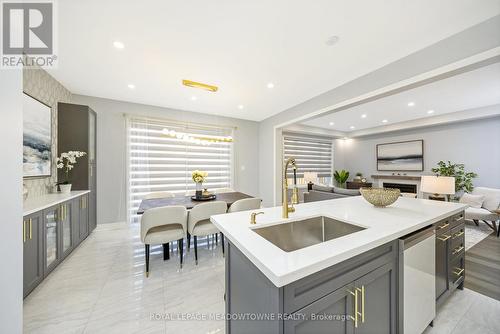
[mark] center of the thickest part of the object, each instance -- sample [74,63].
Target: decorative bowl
[380,197]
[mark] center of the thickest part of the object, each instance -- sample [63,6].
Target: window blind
[311,153]
[159,162]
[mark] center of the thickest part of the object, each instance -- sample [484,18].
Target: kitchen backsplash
[43,87]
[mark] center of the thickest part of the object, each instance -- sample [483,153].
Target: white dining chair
[245,204]
[199,223]
[162,226]
[159,194]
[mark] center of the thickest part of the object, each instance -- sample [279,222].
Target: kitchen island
[339,258]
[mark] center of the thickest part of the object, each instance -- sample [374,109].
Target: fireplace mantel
[397,177]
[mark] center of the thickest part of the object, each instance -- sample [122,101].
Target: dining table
[188,202]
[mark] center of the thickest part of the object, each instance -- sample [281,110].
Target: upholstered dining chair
[199,223]
[161,226]
[245,204]
[159,194]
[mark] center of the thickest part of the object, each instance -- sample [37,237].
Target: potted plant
[198,177]
[463,179]
[341,177]
[67,161]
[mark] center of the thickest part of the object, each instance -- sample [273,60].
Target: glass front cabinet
[52,230]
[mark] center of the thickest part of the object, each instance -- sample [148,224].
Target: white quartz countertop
[382,225]
[34,204]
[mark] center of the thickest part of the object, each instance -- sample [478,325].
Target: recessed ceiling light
[331,123]
[352,127]
[193,98]
[332,40]
[411,104]
[270,85]
[430,111]
[241,106]
[384,121]
[118,45]
[363,116]
[131,86]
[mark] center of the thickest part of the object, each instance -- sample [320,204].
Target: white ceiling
[240,46]
[474,89]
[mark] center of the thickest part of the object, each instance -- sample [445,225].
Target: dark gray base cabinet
[49,236]
[356,296]
[32,251]
[450,256]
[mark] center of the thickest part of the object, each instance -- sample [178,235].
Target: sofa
[484,205]
[322,193]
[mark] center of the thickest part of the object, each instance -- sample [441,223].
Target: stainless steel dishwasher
[419,279]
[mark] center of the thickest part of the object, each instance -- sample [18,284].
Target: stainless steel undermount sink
[303,233]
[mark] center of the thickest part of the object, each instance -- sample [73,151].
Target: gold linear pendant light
[199,85]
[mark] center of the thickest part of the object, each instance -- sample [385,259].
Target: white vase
[65,188]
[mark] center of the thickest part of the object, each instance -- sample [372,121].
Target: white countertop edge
[35,204]
[292,276]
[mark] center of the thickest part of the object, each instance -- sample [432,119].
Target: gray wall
[475,144]
[111,150]
[470,42]
[11,246]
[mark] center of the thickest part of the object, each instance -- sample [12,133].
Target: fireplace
[403,187]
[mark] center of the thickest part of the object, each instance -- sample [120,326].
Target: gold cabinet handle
[362,291]
[445,238]
[458,250]
[31,229]
[445,225]
[459,272]
[458,234]
[24,230]
[356,312]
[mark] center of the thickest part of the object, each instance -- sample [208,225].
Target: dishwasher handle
[414,238]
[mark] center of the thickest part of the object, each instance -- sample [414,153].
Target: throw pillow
[475,201]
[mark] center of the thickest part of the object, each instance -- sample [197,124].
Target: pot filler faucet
[295,193]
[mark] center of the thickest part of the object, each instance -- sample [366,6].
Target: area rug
[482,267]
[474,234]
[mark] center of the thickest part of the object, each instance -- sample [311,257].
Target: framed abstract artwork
[405,156]
[37,138]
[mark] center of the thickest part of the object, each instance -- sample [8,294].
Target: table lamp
[437,186]
[310,178]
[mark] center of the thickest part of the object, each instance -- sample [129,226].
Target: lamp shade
[437,184]
[310,177]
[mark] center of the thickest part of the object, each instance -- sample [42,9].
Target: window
[162,155]
[312,154]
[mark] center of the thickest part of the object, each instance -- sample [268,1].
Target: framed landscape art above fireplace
[407,156]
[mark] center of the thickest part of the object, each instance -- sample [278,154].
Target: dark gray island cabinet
[359,295]
[51,233]
[363,294]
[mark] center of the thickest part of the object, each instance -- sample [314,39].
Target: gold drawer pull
[31,229]
[459,272]
[458,250]
[458,234]
[362,291]
[356,312]
[24,230]
[443,226]
[445,238]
